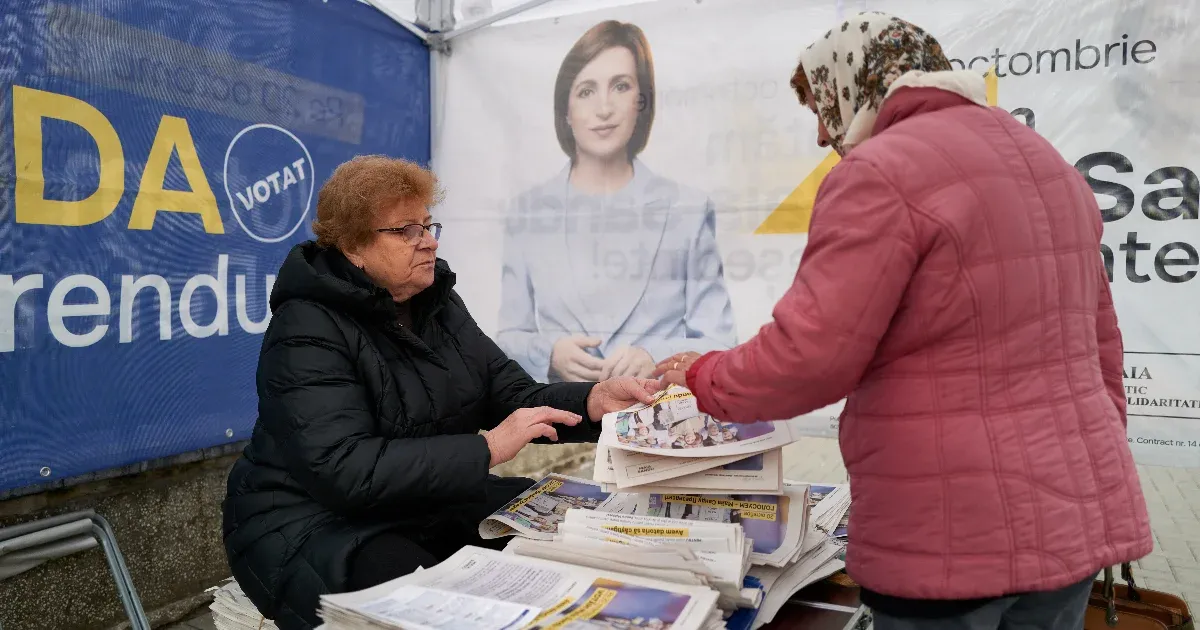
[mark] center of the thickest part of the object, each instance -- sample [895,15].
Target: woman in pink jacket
[952,289]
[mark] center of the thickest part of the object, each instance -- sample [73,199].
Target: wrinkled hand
[620,393]
[673,369]
[572,363]
[524,426]
[628,361]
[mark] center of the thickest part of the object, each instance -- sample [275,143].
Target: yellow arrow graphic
[792,215]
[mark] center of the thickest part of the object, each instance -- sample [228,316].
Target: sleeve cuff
[573,397]
[479,462]
[695,384]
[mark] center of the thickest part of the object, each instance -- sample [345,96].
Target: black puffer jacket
[363,426]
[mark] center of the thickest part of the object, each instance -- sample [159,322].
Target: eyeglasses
[414,231]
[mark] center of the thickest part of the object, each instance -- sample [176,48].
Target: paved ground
[203,621]
[1172,494]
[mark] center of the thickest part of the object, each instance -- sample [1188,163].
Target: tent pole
[495,17]
[441,18]
[435,103]
[408,26]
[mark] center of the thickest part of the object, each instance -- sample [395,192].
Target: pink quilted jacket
[953,288]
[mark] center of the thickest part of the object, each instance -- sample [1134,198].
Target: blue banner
[162,158]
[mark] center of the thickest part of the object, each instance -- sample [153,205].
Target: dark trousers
[1063,609]
[396,553]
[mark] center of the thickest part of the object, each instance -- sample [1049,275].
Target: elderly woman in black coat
[374,383]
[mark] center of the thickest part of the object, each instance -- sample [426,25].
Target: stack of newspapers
[232,610]
[581,558]
[653,541]
[481,589]
[702,553]
[670,447]
[831,510]
[822,552]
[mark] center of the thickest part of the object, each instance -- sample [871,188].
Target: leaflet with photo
[537,512]
[673,427]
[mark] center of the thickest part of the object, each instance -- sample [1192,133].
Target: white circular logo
[269,181]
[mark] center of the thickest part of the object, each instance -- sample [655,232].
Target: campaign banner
[157,161]
[685,216]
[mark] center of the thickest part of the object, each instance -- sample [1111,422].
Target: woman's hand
[628,361]
[673,369]
[571,362]
[620,393]
[522,427]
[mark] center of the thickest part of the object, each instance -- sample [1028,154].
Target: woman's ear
[355,258]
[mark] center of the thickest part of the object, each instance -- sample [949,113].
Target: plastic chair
[27,545]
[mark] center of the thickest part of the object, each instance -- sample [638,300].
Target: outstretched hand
[673,369]
[524,426]
[620,393]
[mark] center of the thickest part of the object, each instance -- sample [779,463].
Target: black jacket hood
[324,275]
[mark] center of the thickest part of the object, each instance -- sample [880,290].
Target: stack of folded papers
[671,447]
[232,610]
[482,589]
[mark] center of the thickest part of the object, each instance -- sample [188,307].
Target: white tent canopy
[479,13]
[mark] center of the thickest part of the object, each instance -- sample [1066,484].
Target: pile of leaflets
[822,553]
[688,524]
[706,553]
[832,511]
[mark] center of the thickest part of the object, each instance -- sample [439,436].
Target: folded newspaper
[831,508]
[232,610]
[674,427]
[670,447]
[481,589]
[775,523]
[537,512]
[713,554]
[618,470]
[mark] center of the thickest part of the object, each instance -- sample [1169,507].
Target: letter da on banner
[78,298]
[31,106]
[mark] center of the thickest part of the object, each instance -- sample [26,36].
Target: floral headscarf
[855,66]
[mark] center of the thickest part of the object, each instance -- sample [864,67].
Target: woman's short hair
[361,187]
[800,84]
[599,38]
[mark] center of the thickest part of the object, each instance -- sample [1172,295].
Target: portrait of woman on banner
[608,266]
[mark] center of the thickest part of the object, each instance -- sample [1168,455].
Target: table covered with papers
[687,524]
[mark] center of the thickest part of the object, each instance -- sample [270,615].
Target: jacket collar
[909,102]
[325,275]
